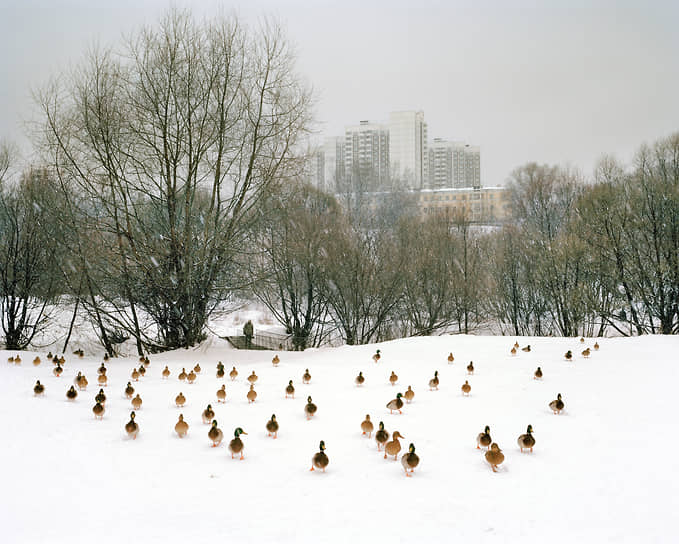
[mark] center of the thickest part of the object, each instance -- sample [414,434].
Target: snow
[603,470]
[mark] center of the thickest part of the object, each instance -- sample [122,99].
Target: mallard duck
[381,436]
[220,370]
[393,378]
[132,427]
[377,356]
[197,369]
[141,358]
[360,379]
[17,359]
[252,378]
[62,360]
[538,374]
[102,380]
[272,426]
[252,394]
[57,370]
[221,394]
[142,370]
[557,405]
[483,439]
[367,426]
[320,460]
[494,456]
[395,404]
[526,349]
[38,389]
[466,388]
[516,345]
[147,361]
[106,357]
[49,356]
[180,400]
[181,427]
[568,355]
[191,377]
[36,361]
[236,445]
[434,382]
[98,410]
[129,390]
[100,397]
[81,353]
[582,340]
[513,351]
[470,367]
[208,414]
[215,434]
[77,380]
[306,377]
[310,408]
[290,390]
[393,447]
[526,441]
[450,359]
[275,360]
[71,394]
[410,460]
[102,369]
[10,359]
[182,375]
[136,402]
[135,375]
[585,353]
[409,394]
[166,373]
[596,346]
[233,374]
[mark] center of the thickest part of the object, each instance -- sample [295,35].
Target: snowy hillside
[603,470]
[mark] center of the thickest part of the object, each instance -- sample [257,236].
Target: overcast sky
[545,81]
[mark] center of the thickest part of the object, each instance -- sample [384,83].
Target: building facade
[486,205]
[366,156]
[453,165]
[408,148]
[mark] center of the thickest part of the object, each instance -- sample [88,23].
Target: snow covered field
[602,471]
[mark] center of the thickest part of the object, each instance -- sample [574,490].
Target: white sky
[546,81]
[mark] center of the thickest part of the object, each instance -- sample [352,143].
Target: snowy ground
[602,471]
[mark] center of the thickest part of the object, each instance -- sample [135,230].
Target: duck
[106,357]
[470,367]
[582,340]
[320,460]
[180,400]
[377,356]
[182,375]
[526,441]
[410,460]
[360,379]
[136,402]
[236,445]
[102,369]
[395,404]
[132,427]
[596,346]
[135,375]
[129,390]
[494,456]
[38,388]
[233,374]
[585,353]
[221,394]
[393,447]
[484,439]
[275,360]
[49,356]
[568,355]
[381,436]
[142,370]
[146,361]
[62,360]
[208,414]
[36,361]
[513,351]
[466,388]
[57,370]
[252,394]
[409,394]
[98,410]
[272,426]
[310,408]
[71,394]
[526,349]
[17,359]
[434,382]
[142,358]
[100,397]
[197,369]
[450,358]
[537,375]
[102,380]
[367,426]
[393,378]
[252,378]
[290,390]
[77,380]
[516,345]
[191,377]
[557,405]
[220,370]
[166,373]
[10,359]
[306,377]
[215,434]
[181,427]
[80,353]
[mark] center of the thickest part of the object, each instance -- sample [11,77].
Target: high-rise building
[472,166]
[333,151]
[317,170]
[366,156]
[408,147]
[453,165]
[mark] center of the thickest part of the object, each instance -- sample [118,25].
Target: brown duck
[129,390]
[393,447]
[38,389]
[131,427]
[215,434]
[538,374]
[221,394]
[470,367]
[233,374]
[393,378]
[136,402]
[236,445]
[320,460]
[395,404]
[466,388]
[290,390]
[272,426]
[98,410]
[410,460]
[166,372]
[181,427]
[306,377]
[180,400]
[275,360]
[71,394]
[494,456]
[450,359]
[367,426]
[381,436]
[526,441]
[484,439]
[557,405]
[434,382]
[208,414]
[409,394]
[252,394]
[252,378]
[310,408]
[360,379]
